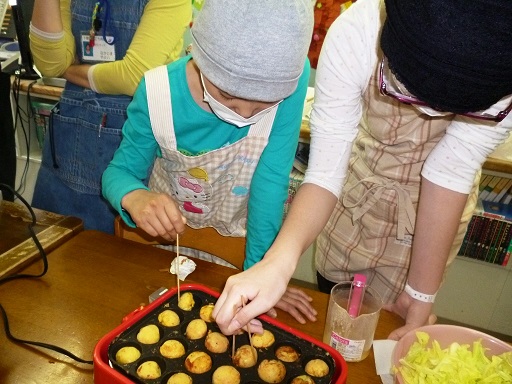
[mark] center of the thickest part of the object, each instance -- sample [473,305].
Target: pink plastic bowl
[445,335]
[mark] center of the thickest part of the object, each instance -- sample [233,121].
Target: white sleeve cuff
[90,77]
[55,36]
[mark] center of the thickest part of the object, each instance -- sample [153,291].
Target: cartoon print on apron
[211,189]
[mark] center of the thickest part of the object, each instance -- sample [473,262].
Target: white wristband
[418,295]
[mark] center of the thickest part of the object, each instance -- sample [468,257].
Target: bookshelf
[489,234]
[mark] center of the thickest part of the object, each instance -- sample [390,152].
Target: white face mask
[230,116]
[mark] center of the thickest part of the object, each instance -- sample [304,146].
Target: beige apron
[371,228]
[211,189]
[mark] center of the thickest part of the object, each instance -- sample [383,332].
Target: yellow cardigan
[157,41]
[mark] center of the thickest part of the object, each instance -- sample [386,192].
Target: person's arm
[122,181]
[265,283]
[334,120]
[437,221]
[443,195]
[51,41]
[134,157]
[272,174]
[157,41]
[272,178]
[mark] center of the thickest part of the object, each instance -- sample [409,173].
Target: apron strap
[263,127]
[159,104]
[406,212]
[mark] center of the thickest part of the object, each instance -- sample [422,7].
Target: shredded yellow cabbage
[457,364]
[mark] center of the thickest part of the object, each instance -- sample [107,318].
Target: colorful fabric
[199,131]
[212,189]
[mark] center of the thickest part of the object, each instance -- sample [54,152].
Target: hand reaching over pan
[265,288]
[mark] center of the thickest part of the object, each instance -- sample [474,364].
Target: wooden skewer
[178,264]
[248,331]
[248,328]
[234,335]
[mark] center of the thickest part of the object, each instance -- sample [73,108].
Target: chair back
[231,249]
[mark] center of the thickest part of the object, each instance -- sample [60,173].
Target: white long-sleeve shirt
[347,62]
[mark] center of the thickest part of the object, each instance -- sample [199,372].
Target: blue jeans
[77,149]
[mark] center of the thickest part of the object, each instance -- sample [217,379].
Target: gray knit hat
[253,49]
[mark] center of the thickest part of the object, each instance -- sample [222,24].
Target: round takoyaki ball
[186,301]
[198,362]
[302,379]
[172,349]
[149,334]
[206,313]
[287,354]
[271,371]
[245,356]
[168,318]
[264,340]
[149,370]
[196,329]
[127,355]
[180,378]
[317,368]
[216,342]
[226,374]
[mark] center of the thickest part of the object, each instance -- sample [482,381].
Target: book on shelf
[487,239]
[506,257]
[500,185]
[495,197]
[484,180]
[504,192]
[496,242]
[489,187]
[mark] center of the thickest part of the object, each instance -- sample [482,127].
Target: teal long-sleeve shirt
[199,131]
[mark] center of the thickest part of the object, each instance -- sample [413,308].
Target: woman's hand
[156,213]
[416,314]
[262,285]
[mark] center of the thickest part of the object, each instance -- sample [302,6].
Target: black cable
[25,275]
[22,117]
[37,343]
[54,111]
[34,237]
[30,116]
[18,118]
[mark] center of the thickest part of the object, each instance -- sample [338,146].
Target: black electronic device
[26,70]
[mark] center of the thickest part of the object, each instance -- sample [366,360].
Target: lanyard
[97,24]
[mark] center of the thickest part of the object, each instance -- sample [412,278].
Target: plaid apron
[211,189]
[370,230]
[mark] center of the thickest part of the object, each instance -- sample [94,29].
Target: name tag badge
[100,51]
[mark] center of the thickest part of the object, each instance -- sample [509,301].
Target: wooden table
[93,281]
[17,248]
